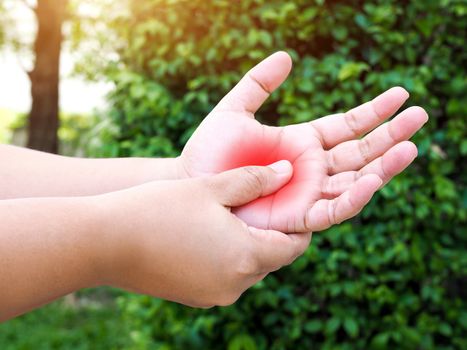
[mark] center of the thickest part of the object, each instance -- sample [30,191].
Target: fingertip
[411,147]
[390,101]
[399,90]
[284,56]
[273,70]
[406,150]
[398,158]
[371,181]
[283,172]
[420,112]
[407,123]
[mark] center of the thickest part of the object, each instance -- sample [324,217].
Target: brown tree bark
[43,119]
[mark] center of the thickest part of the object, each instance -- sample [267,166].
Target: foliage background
[394,277]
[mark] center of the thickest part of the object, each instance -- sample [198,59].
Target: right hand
[178,240]
[331,160]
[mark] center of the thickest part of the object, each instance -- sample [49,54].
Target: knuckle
[329,187]
[226,295]
[307,224]
[246,264]
[365,150]
[384,174]
[255,180]
[205,305]
[291,258]
[259,83]
[352,122]
[303,243]
[331,159]
[228,299]
[332,207]
[296,251]
[394,134]
[208,183]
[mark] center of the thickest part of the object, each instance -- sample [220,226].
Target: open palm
[335,173]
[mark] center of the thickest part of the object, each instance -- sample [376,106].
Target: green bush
[89,322]
[395,276]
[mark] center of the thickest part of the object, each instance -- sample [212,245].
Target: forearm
[28,173]
[47,250]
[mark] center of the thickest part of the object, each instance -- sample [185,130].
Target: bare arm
[45,251]
[176,240]
[28,173]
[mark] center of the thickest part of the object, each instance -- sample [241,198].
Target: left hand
[334,170]
[178,240]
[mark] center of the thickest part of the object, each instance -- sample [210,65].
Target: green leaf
[332,325]
[313,326]
[380,341]
[351,70]
[351,327]
[242,342]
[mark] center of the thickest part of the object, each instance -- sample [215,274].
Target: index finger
[274,249]
[352,124]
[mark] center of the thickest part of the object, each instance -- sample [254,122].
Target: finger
[353,155]
[393,162]
[328,212]
[274,249]
[257,84]
[341,127]
[242,185]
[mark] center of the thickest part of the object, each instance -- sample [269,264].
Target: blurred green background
[395,277]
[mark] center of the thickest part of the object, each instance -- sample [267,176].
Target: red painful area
[253,152]
[261,153]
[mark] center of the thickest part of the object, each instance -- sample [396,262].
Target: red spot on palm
[244,142]
[262,153]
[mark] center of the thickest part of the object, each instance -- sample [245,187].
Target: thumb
[256,86]
[242,185]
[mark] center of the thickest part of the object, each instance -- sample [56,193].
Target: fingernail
[281,167]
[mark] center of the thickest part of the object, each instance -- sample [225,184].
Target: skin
[204,234]
[135,239]
[331,161]
[26,173]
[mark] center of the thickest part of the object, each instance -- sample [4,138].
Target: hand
[179,241]
[335,172]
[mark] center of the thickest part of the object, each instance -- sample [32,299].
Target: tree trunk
[43,117]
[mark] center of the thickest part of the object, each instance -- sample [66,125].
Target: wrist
[121,218]
[180,169]
[104,234]
[96,247]
[163,169]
